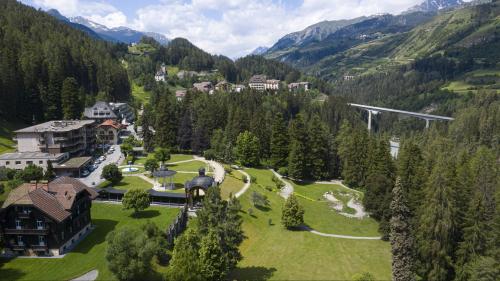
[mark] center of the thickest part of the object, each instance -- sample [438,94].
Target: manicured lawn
[192,166]
[232,183]
[271,252]
[129,183]
[173,158]
[90,253]
[321,217]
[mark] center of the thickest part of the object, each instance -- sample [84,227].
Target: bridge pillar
[427,123]
[369,120]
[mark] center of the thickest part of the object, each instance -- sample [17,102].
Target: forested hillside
[40,58]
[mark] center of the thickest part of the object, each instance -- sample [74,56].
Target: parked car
[102,158]
[85,173]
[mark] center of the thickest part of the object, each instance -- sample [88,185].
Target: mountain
[119,34]
[435,5]
[259,51]
[386,42]
[345,35]
[55,13]
[315,32]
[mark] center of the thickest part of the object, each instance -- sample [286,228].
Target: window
[40,162]
[7,163]
[39,224]
[20,240]
[41,240]
[18,162]
[29,162]
[18,224]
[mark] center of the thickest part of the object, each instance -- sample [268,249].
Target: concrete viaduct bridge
[376,110]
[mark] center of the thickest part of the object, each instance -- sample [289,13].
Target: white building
[272,84]
[257,82]
[206,86]
[299,86]
[20,160]
[74,137]
[160,76]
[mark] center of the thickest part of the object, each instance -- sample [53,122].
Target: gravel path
[360,211]
[89,276]
[287,189]
[246,186]
[217,168]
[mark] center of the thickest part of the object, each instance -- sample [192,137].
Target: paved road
[95,176]
[287,189]
[89,276]
[246,186]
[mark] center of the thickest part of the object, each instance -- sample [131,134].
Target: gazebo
[164,173]
[201,183]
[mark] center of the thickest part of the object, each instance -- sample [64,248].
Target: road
[94,179]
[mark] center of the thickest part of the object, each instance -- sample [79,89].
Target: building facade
[74,137]
[123,111]
[257,82]
[206,86]
[20,160]
[299,86]
[108,132]
[100,111]
[46,218]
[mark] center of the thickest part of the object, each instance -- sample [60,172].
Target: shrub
[210,154]
[151,165]
[253,179]
[283,171]
[366,276]
[259,199]
[245,179]
[228,170]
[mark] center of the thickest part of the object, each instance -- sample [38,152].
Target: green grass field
[139,93]
[271,252]
[6,142]
[128,183]
[173,158]
[90,253]
[192,166]
[232,183]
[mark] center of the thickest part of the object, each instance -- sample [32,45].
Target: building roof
[55,199]
[31,155]
[201,181]
[257,79]
[272,81]
[100,107]
[111,123]
[180,93]
[56,126]
[73,163]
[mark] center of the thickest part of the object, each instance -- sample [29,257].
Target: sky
[229,27]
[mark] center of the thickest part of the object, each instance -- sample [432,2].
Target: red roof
[112,123]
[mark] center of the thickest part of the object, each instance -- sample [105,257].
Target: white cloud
[99,12]
[241,26]
[230,27]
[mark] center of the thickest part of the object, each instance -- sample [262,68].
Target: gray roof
[258,79]
[102,107]
[30,155]
[56,126]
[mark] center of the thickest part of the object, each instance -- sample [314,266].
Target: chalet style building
[261,83]
[46,218]
[100,112]
[108,132]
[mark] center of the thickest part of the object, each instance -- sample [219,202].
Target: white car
[102,158]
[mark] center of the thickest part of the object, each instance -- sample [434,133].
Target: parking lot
[94,178]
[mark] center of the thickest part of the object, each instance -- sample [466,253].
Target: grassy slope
[232,183]
[270,251]
[460,86]
[6,142]
[139,93]
[90,253]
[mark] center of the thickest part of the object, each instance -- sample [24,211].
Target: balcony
[27,231]
[37,248]
[23,215]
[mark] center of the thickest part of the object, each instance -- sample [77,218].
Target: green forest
[436,203]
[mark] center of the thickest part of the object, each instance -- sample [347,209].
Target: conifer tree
[478,233]
[185,262]
[438,222]
[292,214]
[319,149]
[213,261]
[147,135]
[411,173]
[401,236]
[165,124]
[299,160]
[279,142]
[70,99]
[247,149]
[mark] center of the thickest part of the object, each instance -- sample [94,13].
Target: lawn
[6,142]
[232,183]
[271,252]
[90,253]
[129,183]
[173,158]
[192,166]
[139,93]
[321,217]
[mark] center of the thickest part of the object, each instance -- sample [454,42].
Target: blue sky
[229,27]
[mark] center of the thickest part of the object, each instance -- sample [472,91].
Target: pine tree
[279,142]
[438,222]
[247,149]
[299,160]
[185,262]
[147,135]
[479,221]
[213,261]
[185,133]
[165,125]
[70,99]
[401,236]
[411,172]
[292,214]
[319,149]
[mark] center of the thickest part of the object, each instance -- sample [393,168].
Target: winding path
[89,276]
[246,186]
[288,189]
